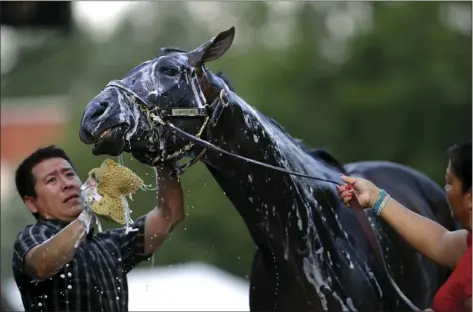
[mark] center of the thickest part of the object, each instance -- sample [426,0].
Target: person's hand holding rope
[365,191]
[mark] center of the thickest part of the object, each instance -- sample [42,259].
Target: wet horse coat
[312,253]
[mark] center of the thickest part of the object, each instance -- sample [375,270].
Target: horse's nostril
[100,110]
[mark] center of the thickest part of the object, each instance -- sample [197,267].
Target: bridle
[211,113]
[157,117]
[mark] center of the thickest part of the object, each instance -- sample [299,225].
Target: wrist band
[386,198]
[381,200]
[379,197]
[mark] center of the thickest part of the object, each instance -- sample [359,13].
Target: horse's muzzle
[111,143]
[85,136]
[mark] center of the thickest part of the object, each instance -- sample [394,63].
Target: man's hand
[169,212]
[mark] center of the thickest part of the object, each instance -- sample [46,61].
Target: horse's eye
[170,71]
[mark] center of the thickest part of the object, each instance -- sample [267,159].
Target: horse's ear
[212,49]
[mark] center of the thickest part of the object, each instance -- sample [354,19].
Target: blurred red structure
[27,127]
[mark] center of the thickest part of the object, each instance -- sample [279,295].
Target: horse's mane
[316,153]
[225,79]
[167,50]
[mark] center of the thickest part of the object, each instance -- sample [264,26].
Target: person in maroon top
[449,248]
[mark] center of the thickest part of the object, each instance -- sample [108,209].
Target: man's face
[58,190]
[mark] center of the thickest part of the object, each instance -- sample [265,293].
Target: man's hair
[24,178]
[460,162]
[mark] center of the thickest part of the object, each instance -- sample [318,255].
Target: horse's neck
[271,203]
[249,133]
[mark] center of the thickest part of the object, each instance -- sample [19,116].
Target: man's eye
[51,180]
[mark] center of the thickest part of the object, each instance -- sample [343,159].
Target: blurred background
[369,81]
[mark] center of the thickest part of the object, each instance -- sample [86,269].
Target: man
[59,264]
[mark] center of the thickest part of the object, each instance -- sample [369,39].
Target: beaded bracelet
[381,201]
[379,197]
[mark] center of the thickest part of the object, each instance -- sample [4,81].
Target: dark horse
[312,253]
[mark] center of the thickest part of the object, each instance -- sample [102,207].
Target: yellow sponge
[114,182]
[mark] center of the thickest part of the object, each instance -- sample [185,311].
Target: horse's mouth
[111,141]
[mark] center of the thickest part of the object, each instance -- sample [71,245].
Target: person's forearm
[46,259]
[169,197]
[170,211]
[420,232]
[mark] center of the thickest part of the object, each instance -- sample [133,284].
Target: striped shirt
[94,280]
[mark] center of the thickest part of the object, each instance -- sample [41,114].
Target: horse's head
[175,86]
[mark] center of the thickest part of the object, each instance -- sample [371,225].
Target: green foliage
[402,93]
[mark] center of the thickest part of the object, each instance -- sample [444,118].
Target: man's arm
[169,212]
[150,231]
[42,257]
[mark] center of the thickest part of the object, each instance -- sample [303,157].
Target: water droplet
[45,296]
[69,286]
[62,276]
[69,274]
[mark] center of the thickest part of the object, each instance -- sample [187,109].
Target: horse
[312,254]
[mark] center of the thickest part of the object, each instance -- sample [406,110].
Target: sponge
[114,183]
